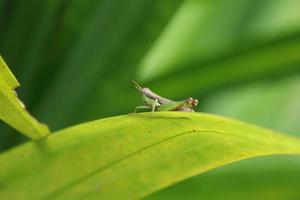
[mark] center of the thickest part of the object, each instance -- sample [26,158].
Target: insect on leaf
[132,156]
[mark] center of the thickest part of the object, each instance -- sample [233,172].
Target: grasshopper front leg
[154,104]
[151,106]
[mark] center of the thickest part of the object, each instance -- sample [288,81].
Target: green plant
[75,63]
[147,152]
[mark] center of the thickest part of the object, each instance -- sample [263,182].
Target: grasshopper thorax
[149,97]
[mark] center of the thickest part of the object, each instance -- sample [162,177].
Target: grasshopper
[157,103]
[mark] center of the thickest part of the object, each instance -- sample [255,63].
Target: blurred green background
[241,58]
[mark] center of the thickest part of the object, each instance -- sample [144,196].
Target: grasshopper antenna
[137,86]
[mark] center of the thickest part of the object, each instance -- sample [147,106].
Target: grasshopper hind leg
[140,108]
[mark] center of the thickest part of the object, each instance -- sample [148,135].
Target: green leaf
[132,156]
[12,109]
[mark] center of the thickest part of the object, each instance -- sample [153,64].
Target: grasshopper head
[190,102]
[143,90]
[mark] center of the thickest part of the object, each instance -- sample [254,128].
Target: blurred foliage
[247,179]
[240,58]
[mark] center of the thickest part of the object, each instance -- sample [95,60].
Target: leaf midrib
[102,168]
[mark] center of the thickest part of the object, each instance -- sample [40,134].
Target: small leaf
[132,156]
[12,110]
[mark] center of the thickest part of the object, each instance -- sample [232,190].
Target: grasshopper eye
[195,102]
